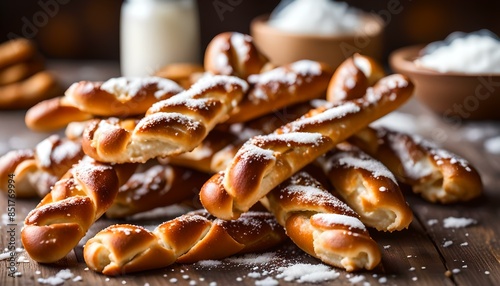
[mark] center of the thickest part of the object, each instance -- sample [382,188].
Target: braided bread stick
[28,92]
[282,86]
[263,162]
[368,187]
[192,237]
[233,53]
[353,77]
[76,201]
[36,171]
[435,173]
[170,127]
[321,224]
[84,100]
[157,186]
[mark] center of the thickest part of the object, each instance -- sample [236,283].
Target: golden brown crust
[282,86]
[321,224]
[433,172]
[170,127]
[368,187]
[192,237]
[265,161]
[76,201]
[53,114]
[233,53]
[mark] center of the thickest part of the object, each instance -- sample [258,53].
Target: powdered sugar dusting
[361,162]
[333,219]
[291,76]
[190,96]
[293,137]
[327,115]
[126,88]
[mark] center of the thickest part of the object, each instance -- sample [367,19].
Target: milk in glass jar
[154,33]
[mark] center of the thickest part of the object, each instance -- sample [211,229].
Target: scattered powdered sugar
[447,243]
[492,145]
[454,222]
[250,259]
[58,279]
[432,221]
[332,219]
[268,281]
[307,273]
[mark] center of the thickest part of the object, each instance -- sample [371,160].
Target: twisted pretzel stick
[76,201]
[84,100]
[157,186]
[435,173]
[192,237]
[263,162]
[368,187]
[322,225]
[170,127]
[36,171]
[282,86]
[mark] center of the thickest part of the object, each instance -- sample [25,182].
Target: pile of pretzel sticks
[273,152]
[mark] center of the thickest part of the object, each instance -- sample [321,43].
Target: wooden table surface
[425,254]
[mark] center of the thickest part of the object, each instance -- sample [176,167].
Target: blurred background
[89,30]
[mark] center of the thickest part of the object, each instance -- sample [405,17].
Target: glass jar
[154,33]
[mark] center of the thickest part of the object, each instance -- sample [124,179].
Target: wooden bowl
[453,95]
[285,47]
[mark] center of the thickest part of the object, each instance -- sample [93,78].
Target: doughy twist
[192,237]
[321,224]
[368,187]
[435,173]
[172,126]
[77,200]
